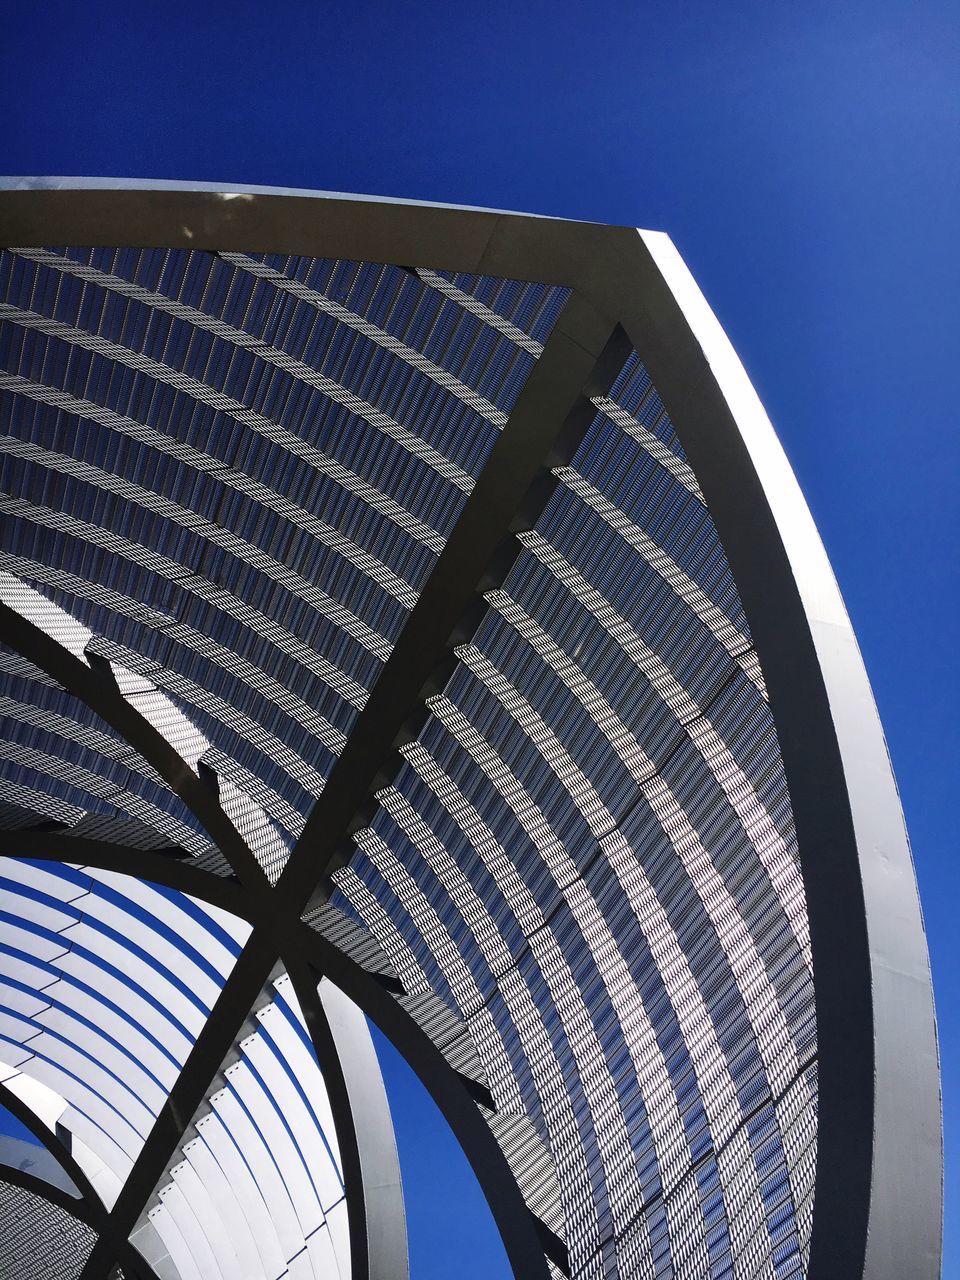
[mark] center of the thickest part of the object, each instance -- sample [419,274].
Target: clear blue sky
[803,157]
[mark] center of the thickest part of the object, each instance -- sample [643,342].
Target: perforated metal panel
[606,753]
[386,587]
[41,1241]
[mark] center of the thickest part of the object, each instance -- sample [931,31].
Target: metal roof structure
[408,613]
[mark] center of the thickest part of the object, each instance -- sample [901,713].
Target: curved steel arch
[878,1185]
[306,952]
[360,1113]
[88,1207]
[879,1159]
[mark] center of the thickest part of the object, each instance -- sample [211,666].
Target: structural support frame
[878,1181]
[88,1207]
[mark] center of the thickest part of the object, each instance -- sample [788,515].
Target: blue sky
[804,159]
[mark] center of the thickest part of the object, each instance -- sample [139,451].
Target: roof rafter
[581,358]
[88,1208]
[95,687]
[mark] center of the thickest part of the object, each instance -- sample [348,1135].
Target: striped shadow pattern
[382,638]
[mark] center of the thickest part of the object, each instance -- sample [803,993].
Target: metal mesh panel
[41,1241]
[193,429]
[600,787]
[234,474]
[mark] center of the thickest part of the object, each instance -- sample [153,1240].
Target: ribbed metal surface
[589,855]
[105,984]
[256,1186]
[41,1241]
[242,469]
[227,478]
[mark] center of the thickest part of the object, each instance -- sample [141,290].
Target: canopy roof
[409,610]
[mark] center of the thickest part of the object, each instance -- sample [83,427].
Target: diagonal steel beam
[346,1071]
[240,991]
[581,358]
[88,1208]
[306,955]
[100,693]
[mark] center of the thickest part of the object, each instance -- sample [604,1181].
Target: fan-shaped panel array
[566,868]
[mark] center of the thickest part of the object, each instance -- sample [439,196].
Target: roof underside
[409,570]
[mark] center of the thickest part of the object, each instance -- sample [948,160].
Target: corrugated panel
[608,726]
[41,1241]
[236,472]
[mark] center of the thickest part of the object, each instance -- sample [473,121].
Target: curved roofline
[231,190]
[879,1159]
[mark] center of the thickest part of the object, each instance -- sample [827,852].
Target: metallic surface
[877,1196]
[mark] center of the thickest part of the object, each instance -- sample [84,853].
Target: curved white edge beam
[879,1174]
[55,1156]
[879,1143]
[228,1107]
[311,1149]
[224,1201]
[104,1180]
[221,1235]
[47,1112]
[370,1114]
[219,1152]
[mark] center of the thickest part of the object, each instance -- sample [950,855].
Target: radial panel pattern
[244,469]
[576,865]
[590,855]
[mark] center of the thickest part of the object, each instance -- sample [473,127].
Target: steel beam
[581,358]
[100,693]
[88,1207]
[526,1239]
[878,1185]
